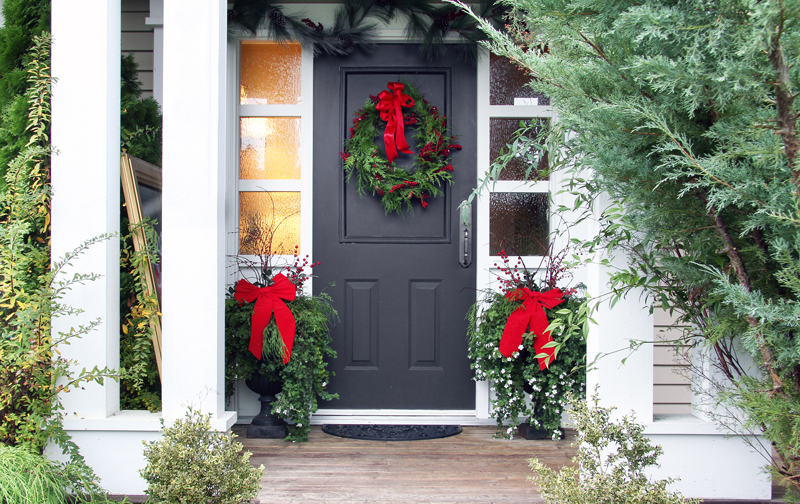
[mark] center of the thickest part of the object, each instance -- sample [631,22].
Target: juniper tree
[684,114]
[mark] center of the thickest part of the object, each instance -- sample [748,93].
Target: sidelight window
[516,210]
[274,161]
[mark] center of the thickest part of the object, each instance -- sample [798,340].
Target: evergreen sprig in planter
[549,374]
[304,376]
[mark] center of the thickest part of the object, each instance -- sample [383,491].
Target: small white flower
[299,425]
[521,347]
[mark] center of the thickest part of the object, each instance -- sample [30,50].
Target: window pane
[518,223]
[269,222]
[507,81]
[270,73]
[501,133]
[270,148]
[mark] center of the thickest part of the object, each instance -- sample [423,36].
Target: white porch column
[86,187]
[193,208]
[627,386]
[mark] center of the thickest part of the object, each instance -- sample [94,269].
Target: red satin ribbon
[530,314]
[389,104]
[268,299]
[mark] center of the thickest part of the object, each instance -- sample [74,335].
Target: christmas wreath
[388,114]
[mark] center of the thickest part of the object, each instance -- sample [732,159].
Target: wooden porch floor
[471,467]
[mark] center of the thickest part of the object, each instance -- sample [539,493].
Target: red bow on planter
[268,299]
[530,314]
[389,104]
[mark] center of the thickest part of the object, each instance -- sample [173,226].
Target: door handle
[465,234]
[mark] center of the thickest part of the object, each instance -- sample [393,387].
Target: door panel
[399,289]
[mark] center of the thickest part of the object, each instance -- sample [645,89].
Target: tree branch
[786,116]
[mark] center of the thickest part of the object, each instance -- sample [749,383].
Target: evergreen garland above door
[355,27]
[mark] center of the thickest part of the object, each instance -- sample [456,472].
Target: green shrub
[140,118]
[192,464]
[27,477]
[609,463]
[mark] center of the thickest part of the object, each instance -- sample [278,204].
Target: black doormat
[392,432]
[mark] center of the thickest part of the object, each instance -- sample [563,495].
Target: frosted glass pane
[270,73]
[270,148]
[518,223]
[507,81]
[501,132]
[269,222]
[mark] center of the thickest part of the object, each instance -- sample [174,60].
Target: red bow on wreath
[389,104]
[530,314]
[268,299]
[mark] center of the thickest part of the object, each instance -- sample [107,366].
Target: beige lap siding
[671,373]
[137,38]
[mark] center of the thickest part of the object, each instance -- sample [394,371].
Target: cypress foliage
[679,122]
[24,19]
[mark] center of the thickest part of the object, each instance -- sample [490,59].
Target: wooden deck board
[472,467]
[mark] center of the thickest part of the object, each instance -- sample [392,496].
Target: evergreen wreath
[378,174]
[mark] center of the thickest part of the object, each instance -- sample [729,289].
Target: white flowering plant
[521,390]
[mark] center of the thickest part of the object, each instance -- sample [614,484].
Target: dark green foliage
[679,120]
[305,377]
[566,374]
[354,26]
[140,119]
[24,19]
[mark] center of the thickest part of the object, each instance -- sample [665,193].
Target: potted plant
[529,341]
[277,338]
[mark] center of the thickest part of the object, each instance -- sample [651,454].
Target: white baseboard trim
[393,417]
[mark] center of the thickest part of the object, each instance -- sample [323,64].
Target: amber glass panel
[501,133]
[269,222]
[518,223]
[270,148]
[270,73]
[508,81]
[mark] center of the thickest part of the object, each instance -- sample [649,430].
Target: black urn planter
[527,431]
[266,424]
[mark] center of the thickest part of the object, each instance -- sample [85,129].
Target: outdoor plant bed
[530,373]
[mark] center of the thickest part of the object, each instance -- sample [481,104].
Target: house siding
[137,39]
[671,369]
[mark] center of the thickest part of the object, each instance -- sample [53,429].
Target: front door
[400,292]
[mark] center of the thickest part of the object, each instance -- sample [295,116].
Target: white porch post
[627,386]
[193,208]
[86,187]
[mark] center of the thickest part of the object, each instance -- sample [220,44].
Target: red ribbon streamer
[530,314]
[389,106]
[268,299]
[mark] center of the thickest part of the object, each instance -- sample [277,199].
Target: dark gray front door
[400,291]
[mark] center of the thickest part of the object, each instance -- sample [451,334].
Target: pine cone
[276,16]
[344,42]
[443,24]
